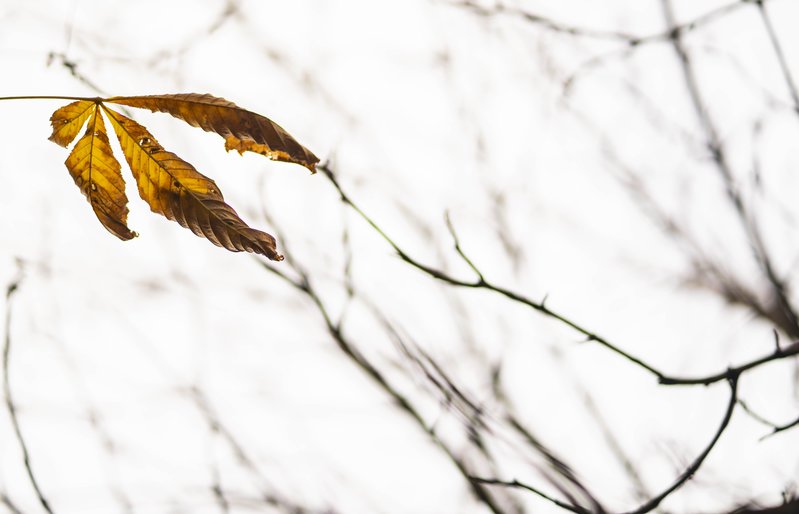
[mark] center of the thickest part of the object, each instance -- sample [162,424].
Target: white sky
[423,108]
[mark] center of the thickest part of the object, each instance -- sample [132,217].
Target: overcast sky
[164,374]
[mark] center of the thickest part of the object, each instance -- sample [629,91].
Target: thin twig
[483,284]
[541,307]
[466,259]
[335,331]
[555,462]
[783,309]
[521,485]
[775,428]
[608,35]
[219,494]
[72,67]
[781,428]
[615,446]
[754,415]
[10,505]
[12,410]
[697,463]
[778,51]
[273,499]
[777,354]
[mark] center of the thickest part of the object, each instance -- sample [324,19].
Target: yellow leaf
[243,130]
[97,173]
[68,120]
[174,189]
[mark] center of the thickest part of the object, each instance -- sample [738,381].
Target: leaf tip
[56,137]
[53,139]
[120,231]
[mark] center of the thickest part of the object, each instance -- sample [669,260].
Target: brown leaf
[97,173]
[243,130]
[68,120]
[174,189]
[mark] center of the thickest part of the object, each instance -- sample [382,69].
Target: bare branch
[652,504]
[467,260]
[782,428]
[790,505]
[555,462]
[335,331]
[483,284]
[520,485]
[779,52]
[72,67]
[541,307]
[12,410]
[215,424]
[782,308]
[608,35]
[10,505]
[697,463]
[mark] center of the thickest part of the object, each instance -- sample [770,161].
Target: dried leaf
[243,130]
[98,175]
[68,120]
[174,189]
[171,186]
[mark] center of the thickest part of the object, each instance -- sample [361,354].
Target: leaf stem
[37,97]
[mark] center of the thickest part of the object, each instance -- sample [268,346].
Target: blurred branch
[6,501]
[12,410]
[655,501]
[72,67]
[782,428]
[95,417]
[707,272]
[219,494]
[478,423]
[452,396]
[179,50]
[778,51]
[554,461]
[754,415]
[694,467]
[303,284]
[782,311]
[217,427]
[449,392]
[630,468]
[520,485]
[790,505]
[775,428]
[609,35]
[482,283]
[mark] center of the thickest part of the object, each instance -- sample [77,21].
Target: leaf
[170,185]
[97,173]
[174,189]
[244,131]
[68,120]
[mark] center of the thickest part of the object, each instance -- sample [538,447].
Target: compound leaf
[174,189]
[244,131]
[97,173]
